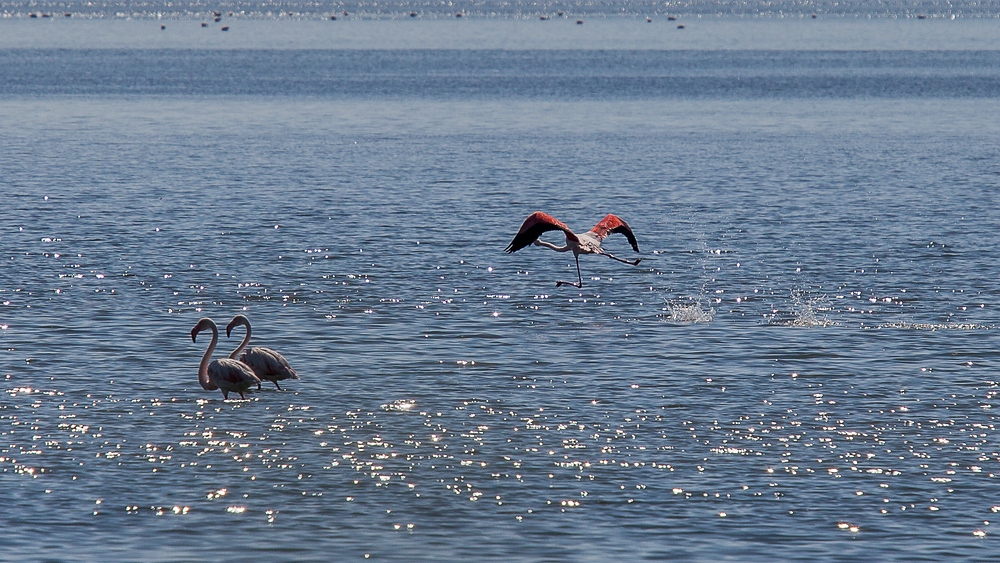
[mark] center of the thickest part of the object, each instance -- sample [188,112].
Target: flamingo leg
[579,275]
[225,395]
[258,386]
[613,257]
[276,385]
[241,396]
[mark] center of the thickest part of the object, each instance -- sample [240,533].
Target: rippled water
[801,368]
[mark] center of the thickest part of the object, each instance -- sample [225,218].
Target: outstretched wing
[533,227]
[614,224]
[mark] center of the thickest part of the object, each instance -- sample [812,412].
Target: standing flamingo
[586,243]
[226,374]
[264,362]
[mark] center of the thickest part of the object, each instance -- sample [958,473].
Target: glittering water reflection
[453,403]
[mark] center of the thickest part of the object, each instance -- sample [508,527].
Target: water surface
[801,368]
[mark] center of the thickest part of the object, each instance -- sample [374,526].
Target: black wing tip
[516,245]
[624,229]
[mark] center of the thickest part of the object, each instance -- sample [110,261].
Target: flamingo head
[237,321]
[203,324]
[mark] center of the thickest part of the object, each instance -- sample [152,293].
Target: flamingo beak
[194,333]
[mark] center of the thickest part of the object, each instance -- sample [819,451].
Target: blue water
[802,367]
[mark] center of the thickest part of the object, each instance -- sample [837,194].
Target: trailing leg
[631,262]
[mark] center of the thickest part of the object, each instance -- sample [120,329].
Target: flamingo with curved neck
[265,362]
[225,374]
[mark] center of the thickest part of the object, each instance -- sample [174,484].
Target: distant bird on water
[586,243]
[265,362]
[225,374]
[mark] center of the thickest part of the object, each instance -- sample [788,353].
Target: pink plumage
[265,362]
[539,223]
[225,374]
[614,224]
[533,227]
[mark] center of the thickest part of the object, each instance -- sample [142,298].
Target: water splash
[807,311]
[688,312]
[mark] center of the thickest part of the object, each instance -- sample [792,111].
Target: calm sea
[803,366]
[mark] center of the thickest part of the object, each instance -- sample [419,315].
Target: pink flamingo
[586,243]
[225,374]
[265,362]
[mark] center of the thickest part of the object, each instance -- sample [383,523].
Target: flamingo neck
[206,359]
[246,340]
[552,246]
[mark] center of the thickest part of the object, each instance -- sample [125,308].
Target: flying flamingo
[265,362]
[586,243]
[226,374]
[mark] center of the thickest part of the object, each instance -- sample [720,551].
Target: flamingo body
[225,374]
[539,223]
[265,362]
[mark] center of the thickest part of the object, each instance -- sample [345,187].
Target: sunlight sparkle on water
[653,407]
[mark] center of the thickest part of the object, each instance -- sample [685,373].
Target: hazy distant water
[802,368]
[431,9]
